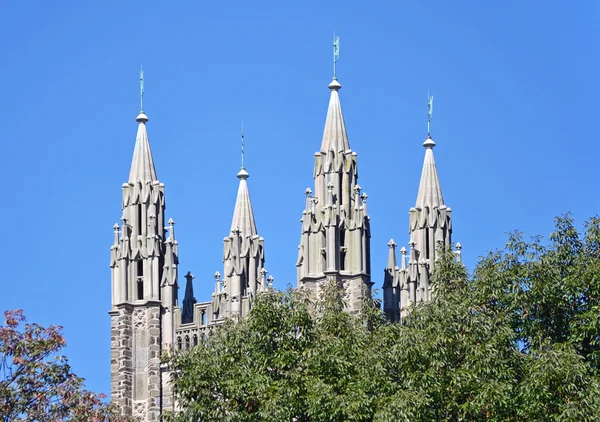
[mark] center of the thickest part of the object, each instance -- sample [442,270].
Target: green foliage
[36,383]
[517,341]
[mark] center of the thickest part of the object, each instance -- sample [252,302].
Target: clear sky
[516,104]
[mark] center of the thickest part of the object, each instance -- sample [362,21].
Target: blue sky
[516,103]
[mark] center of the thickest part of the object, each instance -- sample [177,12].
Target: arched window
[195,339]
[179,343]
[140,280]
[187,342]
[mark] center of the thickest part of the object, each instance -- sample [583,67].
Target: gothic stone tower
[335,241]
[430,230]
[243,258]
[244,276]
[144,290]
[145,317]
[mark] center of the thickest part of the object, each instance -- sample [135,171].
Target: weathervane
[336,53]
[429,112]
[242,144]
[141,89]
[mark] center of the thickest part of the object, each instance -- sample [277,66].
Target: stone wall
[121,358]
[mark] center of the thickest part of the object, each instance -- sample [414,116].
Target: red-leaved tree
[36,381]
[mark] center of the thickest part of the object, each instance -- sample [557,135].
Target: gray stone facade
[146,318]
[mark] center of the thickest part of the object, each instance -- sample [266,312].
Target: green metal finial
[141,89]
[336,54]
[429,112]
[242,145]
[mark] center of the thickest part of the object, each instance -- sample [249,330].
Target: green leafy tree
[516,341]
[36,382]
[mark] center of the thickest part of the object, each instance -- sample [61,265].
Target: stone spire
[430,219]
[334,134]
[430,191]
[144,282]
[243,216]
[335,241]
[142,246]
[142,165]
[243,259]
[430,230]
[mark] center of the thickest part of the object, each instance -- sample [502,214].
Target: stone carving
[139,319]
[139,410]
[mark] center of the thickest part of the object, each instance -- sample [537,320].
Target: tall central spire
[335,242]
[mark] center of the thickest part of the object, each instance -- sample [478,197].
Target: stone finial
[392,244]
[364,202]
[313,204]
[123,227]
[243,174]
[117,231]
[428,142]
[308,193]
[171,229]
[270,281]
[403,258]
[217,276]
[329,194]
[357,188]
[458,252]
[189,275]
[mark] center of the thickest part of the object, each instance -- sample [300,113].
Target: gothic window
[342,249]
[323,249]
[140,222]
[187,342]
[195,339]
[140,280]
[179,343]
